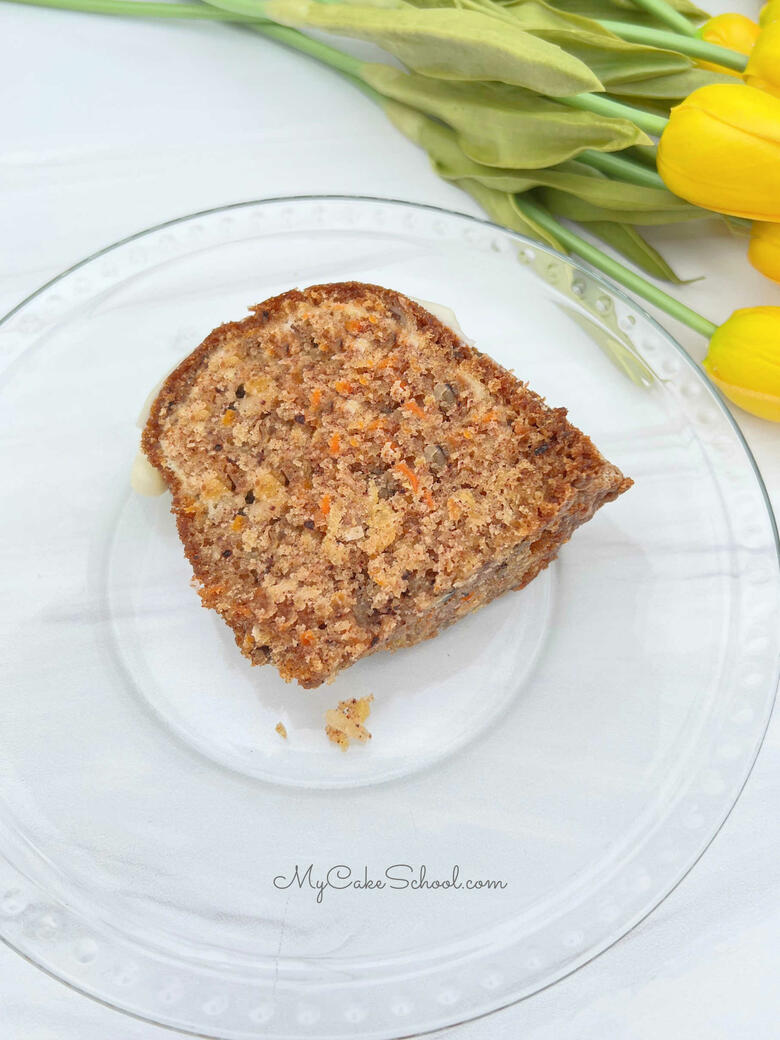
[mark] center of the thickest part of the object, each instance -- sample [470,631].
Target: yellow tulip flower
[763,67]
[770,13]
[721,150]
[735,31]
[764,249]
[744,360]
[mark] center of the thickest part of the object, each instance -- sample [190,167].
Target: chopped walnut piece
[281,729]
[345,723]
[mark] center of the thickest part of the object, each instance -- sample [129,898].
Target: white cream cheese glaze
[145,479]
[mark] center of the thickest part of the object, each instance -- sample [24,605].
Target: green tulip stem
[692,46]
[664,12]
[249,7]
[316,49]
[605,106]
[613,269]
[153,9]
[621,168]
[145,9]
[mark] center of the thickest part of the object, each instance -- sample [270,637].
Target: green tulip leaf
[670,88]
[505,126]
[625,11]
[612,59]
[446,43]
[573,208]
[498,206]
[410,121]
[451,163]
[627,241]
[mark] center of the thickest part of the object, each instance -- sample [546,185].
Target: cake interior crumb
[348,476]
[345,723]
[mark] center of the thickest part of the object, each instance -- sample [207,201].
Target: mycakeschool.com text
[399,877]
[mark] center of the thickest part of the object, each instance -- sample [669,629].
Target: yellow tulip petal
[763,84]
[764,249]
[721,150]
[769,13]
[765,406]
[743,360]
[763,67]
[710,67]
[745,349]
[735,31]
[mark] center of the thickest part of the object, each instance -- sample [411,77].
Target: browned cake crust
[349,476]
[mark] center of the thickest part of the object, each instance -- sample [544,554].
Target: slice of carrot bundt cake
[348,475]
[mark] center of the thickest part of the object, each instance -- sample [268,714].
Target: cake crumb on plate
[345,723]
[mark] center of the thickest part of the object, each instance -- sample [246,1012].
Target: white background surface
[112,125]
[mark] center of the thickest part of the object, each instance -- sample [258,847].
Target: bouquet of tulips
[548,115]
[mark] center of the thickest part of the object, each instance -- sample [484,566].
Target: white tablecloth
[112,125]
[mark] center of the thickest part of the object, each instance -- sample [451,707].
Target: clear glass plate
[580,742]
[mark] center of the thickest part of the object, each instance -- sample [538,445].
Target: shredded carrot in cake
[409,473]
[414,408]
